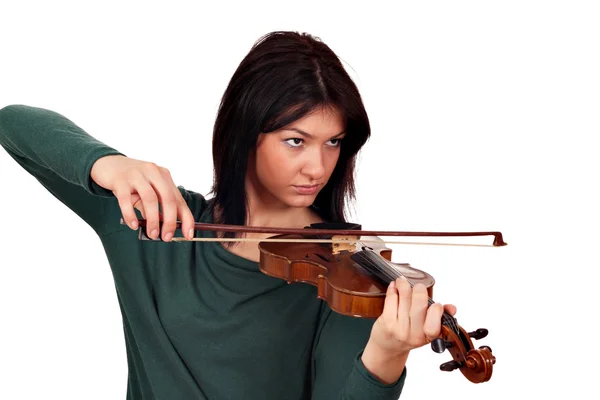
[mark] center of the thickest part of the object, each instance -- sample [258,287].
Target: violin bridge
[346,243]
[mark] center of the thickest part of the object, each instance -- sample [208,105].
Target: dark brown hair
[285,76]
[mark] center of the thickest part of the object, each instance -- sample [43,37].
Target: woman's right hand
[143,185]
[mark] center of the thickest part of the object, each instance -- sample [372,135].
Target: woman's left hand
[407,322]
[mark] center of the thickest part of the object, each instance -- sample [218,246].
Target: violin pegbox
[475,364]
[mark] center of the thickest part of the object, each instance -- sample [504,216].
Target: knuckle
[168,199]
[181,201]
[147,193]
[132,173]
[405,289]
[386,324]
[437,309]
[417,311]
[122,190]
[401,335]
[389,327]
[419,288]
[150,168]
[165,172]
[121,196]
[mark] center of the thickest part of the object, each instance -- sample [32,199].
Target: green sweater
[199,321]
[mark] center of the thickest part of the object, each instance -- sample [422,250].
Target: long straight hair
[285,76]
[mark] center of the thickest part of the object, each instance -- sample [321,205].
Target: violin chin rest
[335,225]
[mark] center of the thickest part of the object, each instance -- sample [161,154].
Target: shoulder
[26,115]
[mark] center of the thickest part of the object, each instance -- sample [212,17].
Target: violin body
[347,287]
[353,280]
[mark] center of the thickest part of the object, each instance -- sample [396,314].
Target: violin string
[374,268]
[374,261]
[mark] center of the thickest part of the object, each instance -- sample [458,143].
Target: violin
[352,269]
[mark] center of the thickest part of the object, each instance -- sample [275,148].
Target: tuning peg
[450,365]
[486,347]
[479,333]
[439,345]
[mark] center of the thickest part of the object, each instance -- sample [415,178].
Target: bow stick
[199,226]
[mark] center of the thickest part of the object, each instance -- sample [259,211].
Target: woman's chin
[300,201]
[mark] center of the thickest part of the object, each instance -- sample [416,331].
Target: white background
[483,116]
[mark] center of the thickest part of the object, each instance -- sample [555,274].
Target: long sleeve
[60,155]
[338,372]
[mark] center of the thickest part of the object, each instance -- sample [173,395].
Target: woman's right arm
[86,174]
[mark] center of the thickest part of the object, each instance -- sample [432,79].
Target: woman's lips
[307,189]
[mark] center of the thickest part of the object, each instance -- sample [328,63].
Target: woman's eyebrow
[308,135]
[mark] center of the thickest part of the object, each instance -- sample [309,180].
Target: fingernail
[191,233]
[154,234]
[133,224]
[393,284]
[168,236]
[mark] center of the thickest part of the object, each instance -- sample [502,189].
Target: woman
[200,320]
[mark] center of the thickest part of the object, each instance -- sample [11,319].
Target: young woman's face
[294,163]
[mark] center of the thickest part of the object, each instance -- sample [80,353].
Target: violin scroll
[475,364]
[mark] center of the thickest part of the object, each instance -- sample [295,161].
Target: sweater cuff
[370,387]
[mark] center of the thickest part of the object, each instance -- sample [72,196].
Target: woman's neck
[271,214]
[264,209]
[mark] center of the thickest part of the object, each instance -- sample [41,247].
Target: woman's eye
[335,142]
[295,142]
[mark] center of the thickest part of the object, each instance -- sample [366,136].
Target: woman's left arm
[338,372]
[355,358]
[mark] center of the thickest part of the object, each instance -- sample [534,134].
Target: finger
[161,181]
[450,309]
[150,202]
[390,305]
[186,217]
[404,302]
[181,208]
[138,205]
[124,198]
[433,321]
[418,311]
